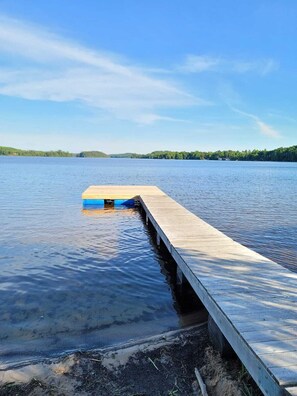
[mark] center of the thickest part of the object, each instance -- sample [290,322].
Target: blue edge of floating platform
[95,203]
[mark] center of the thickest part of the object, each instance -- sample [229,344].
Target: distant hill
[92,154]
[124,155]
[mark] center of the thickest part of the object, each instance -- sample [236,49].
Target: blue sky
[128,75]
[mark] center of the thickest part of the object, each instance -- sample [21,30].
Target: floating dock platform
[251,299]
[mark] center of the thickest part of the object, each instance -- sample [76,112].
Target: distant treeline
[59,153]
[282,154]
[288,154]
[33,153]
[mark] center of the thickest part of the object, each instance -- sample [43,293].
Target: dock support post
[146,219]
[158,239]
[181,280]
[218,339]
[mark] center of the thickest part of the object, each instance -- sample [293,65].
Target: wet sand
[160,365]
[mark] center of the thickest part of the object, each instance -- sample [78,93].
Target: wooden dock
[252,299]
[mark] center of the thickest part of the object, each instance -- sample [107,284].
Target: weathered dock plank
[252,300]
[287,345]
[119,192]
[291,391]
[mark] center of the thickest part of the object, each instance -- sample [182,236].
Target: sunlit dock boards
[121,195]
[252,299]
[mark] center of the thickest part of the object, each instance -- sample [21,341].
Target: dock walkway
[252,300]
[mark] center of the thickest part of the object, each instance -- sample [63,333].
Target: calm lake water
[73,279]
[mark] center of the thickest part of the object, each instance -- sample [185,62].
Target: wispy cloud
[262,66]
[199,64]
[278,115]
[59,70]
[264,128]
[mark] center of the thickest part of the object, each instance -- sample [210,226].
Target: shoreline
[280,154]
[147,159]
[160,365]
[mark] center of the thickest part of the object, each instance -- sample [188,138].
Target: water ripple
[77,279]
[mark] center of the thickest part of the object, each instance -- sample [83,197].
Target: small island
[91,154]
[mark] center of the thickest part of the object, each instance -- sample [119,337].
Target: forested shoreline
[282,154]
[11,151]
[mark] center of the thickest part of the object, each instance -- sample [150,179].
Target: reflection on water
[107,211]
[102,283]
[73,279]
